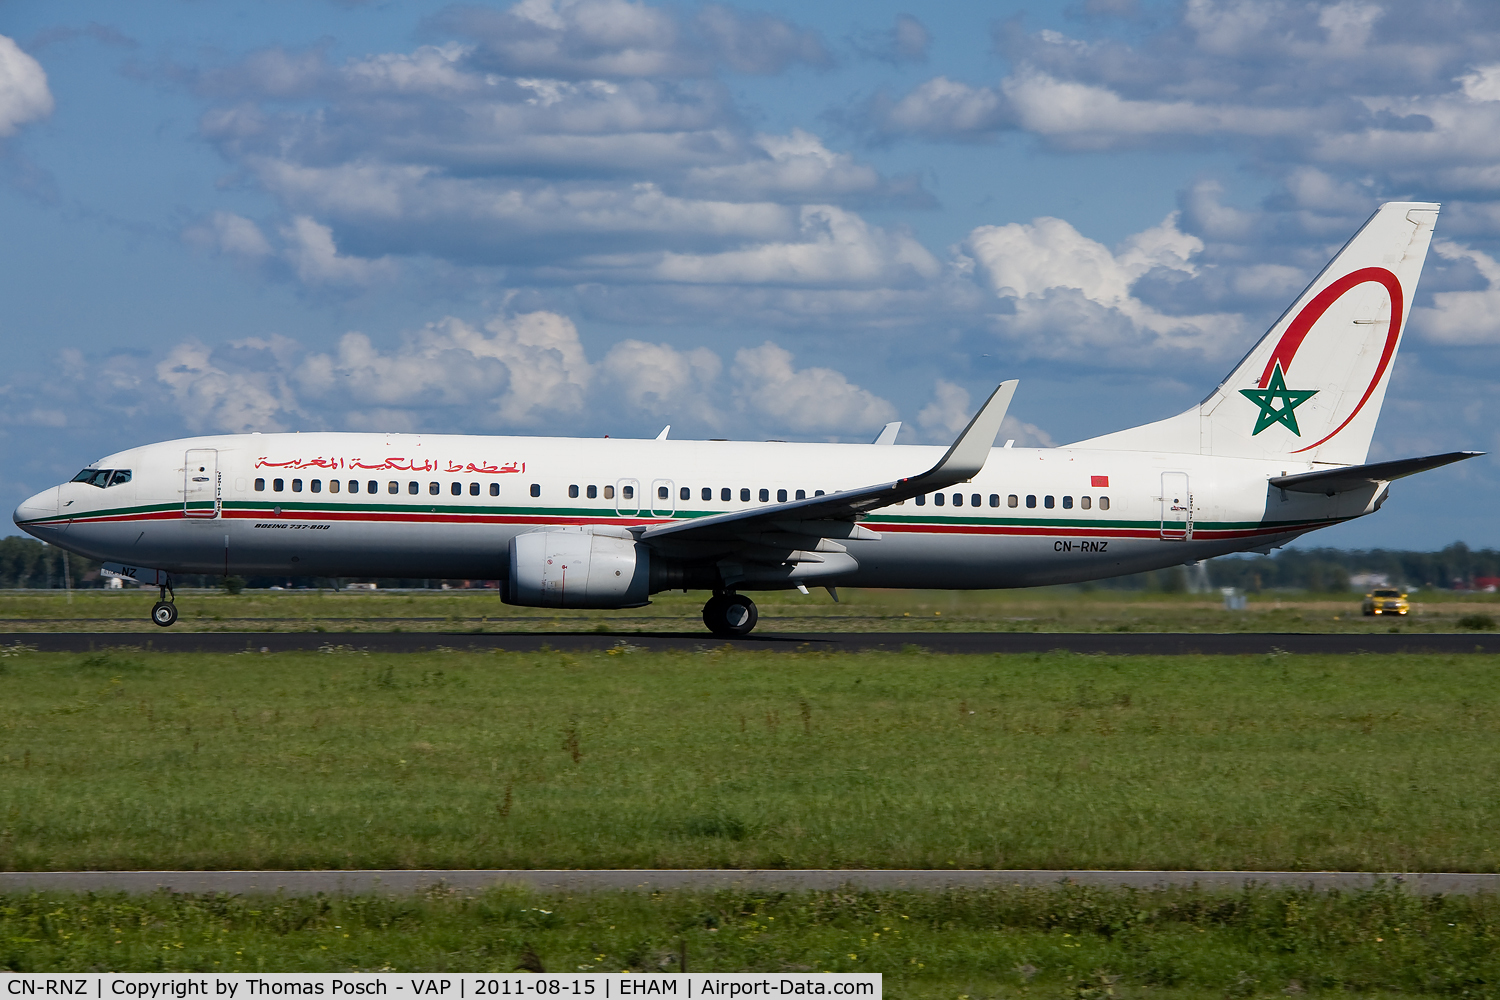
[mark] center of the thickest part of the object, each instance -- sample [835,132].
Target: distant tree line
[26,563]
[1329,570]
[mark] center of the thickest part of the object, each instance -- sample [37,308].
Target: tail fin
[1311,389]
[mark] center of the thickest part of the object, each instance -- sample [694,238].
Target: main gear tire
[730,615]
[163,613]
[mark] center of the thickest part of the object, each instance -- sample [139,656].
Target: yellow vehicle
[1386,602]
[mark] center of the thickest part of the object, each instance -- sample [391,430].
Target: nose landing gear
[730,614]
[164,611]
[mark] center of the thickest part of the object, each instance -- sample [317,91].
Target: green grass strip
[125,759]
[1065,942]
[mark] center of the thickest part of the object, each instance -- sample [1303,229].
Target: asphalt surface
[1118,643]
[305,883]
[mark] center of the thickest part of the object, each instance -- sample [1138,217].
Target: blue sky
[762,220]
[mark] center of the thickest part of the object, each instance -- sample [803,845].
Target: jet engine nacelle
[588,567]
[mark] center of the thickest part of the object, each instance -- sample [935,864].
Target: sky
[763,220]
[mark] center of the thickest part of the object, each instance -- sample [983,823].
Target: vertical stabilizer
[1312,388]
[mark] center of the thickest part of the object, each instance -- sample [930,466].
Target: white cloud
[835,248]
[1463,318]
[310,250]
[24,95]
[806,400]
[1073,297]
[581,39]
[214,397]
[950,412]
[230,234]
[905,41]
[519,370]
[662,381]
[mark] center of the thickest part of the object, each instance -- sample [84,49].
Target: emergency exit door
[200,483]
[1176,506]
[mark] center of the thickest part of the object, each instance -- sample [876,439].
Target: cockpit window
[103,477]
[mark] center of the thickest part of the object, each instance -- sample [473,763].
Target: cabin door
[1176,507]
[200,483]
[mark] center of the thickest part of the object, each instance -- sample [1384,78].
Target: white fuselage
[447,506]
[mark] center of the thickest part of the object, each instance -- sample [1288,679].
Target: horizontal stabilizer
[1356,477]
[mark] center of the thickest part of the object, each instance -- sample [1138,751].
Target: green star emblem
[1274,390]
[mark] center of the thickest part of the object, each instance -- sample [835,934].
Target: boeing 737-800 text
[1276,450]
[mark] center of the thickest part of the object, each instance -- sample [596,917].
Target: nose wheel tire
[164,613]
[730,614]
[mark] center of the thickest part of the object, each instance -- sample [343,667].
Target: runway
[304,883]
[1108,643]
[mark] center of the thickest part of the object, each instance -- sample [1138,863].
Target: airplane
[1276,450]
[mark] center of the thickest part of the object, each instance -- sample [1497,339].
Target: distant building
[1369,581]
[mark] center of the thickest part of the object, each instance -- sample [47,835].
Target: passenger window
[922,500]
[609,492]
[1085,502]
[1011,500]
[278,485]
[744,495]
[781,496]
[536,489]
[593,492]
[494,489]
[765,496]
[726,494]
[1049,502]
[938,499]
[994,499]
[801,494]
[260,486]
[708,492]
[354,486]
[413,488]
[457,489]
[1067,503]
[296,486]
[975,500]
[333,486]
[958,499]
[662,493]
[473,489]
[434,488]
[573,492]
[1031,499]
[626,492]
[393,487]
[818,493]
[1104,503]
[685,493]
[317,485]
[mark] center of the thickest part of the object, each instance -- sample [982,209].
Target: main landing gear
[730,614]
[164,611]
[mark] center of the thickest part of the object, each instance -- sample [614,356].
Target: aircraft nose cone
[44,504]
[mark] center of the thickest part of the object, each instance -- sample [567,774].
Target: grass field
[1074,943]
[125,759]
[1050,609]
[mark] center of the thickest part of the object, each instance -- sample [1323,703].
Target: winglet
[888,433]
[663,435]
[966,457]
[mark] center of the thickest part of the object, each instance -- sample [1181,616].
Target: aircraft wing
[1356,477]
[831,515]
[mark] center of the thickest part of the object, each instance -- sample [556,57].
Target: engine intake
[588,567]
